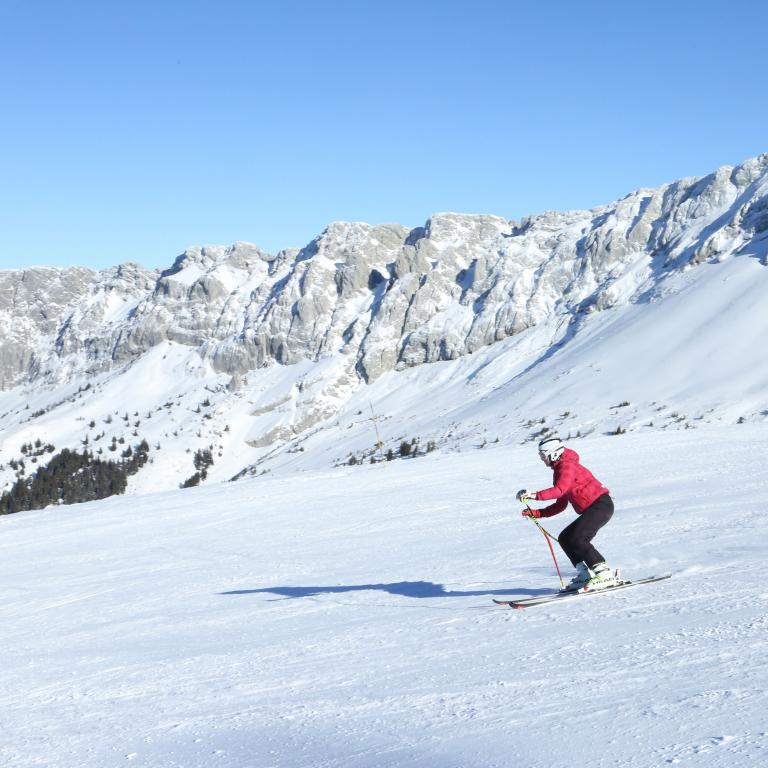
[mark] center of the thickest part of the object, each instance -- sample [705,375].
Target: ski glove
[525,495]
[528,512]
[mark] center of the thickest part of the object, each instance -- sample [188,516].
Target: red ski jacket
[572,483]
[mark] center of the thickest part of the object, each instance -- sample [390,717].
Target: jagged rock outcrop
[384,296]
[52,320]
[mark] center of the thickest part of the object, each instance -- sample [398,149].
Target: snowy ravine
[344,618]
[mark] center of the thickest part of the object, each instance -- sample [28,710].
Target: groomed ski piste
[344,618]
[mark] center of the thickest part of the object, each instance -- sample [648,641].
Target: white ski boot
[601,577]
[581,579]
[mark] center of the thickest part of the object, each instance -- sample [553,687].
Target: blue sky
[131,130]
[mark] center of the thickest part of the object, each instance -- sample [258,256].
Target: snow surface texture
[584,322]
[344,618]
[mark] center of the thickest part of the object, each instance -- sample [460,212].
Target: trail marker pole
[375,420]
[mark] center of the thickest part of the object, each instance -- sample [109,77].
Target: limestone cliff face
[52,321]
[384,296]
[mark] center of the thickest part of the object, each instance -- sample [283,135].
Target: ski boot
[581,579]
[601,577]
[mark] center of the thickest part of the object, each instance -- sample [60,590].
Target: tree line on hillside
[71,477]
[203,461]
[406,450]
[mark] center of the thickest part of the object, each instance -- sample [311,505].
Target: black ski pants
[576,538]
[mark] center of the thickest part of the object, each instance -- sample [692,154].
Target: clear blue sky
[131,130]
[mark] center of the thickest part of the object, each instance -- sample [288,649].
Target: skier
[574,483]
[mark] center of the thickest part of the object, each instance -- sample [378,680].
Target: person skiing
[574,483]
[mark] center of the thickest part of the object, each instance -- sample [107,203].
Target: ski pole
[549,538]
[544,530]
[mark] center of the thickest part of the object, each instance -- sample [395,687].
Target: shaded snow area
[344,618]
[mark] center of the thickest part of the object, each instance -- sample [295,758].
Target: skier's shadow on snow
[417,589]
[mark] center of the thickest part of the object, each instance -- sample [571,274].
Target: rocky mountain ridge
[385,296]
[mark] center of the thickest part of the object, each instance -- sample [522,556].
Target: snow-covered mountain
[646,313]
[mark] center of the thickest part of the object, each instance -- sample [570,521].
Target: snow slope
[343,618]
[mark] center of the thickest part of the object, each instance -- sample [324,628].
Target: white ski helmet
[551,449]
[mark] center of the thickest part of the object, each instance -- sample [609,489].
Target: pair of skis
[552,597]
